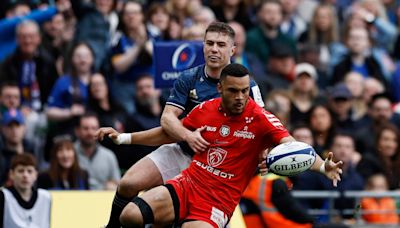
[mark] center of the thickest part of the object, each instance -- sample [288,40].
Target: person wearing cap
[280,69]
[13,135]
[303,92]
[340,102]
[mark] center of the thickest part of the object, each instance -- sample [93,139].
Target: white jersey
[17,216]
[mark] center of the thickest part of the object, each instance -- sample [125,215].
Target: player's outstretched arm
[174,127]
[152,137]
[329,168]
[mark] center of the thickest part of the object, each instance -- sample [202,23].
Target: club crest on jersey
[224,131]
[216,156]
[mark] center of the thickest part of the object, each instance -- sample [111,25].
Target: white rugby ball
[290,158]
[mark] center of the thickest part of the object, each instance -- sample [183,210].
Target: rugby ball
[290,158]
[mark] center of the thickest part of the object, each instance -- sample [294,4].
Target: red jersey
[223,171]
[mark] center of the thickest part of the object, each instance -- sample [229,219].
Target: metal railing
[356,195]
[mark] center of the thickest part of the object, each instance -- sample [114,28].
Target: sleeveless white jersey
[18,217]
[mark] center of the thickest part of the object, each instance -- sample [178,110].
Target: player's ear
[233,50]
[219,87]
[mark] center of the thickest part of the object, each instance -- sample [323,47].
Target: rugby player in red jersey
[207,192]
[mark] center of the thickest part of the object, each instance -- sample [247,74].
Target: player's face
[23,177]
[218,49]
[235,94]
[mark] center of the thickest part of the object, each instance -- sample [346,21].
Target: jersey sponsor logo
[212,129]
[273,120]
[216,156]
[244,134]
[219,217]
[224,131]
[213,170]
[183,56]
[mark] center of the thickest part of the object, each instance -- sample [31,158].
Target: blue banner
[172,57]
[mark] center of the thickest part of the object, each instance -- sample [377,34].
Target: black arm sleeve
[287,205]
[1,208]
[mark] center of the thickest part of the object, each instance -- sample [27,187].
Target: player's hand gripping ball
[290,158]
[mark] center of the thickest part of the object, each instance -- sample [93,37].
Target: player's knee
[131,216]
[137,213]
[127,187]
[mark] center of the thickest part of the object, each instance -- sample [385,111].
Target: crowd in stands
[330,70]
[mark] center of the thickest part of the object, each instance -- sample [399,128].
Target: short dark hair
[88,114]
[234,70]
[222,28]
[25,159]
[8,84]
[378,96]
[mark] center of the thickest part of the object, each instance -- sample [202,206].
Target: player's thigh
[170,160]
[197,224]
[144,174]
[160,201]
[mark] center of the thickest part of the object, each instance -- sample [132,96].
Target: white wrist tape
[124,138]
[322,168]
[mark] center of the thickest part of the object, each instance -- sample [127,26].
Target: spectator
[262,38]
[385,158]
[303,92]
[322,124]
[343,148]
[132,55]
[356,84]
[379,210]
[174,31]
[64,172]
[379,112]
[9,96]
[243,57]
[97,24]
[278,103]
[340,103]
[35,123]
[280,71]
[149,106]
[30,67]
[101,102]
[292,25]
[372,87]
[21,204]
[277,206]
[158,20]
[183,10]
[70,93]
[233,10]
[383,32]
[16,14]
[323,31]
[204,16]
[301,132]
[99,161]
[56,40]
[13,132]
[359,58]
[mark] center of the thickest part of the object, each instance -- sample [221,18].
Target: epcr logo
[183,57]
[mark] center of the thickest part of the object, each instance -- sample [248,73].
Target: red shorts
[193,203]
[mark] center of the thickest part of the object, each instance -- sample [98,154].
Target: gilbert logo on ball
[290,158]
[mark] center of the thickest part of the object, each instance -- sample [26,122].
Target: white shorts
[170,160]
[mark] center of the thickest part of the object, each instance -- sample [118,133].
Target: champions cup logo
[216,156]
[183,57]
